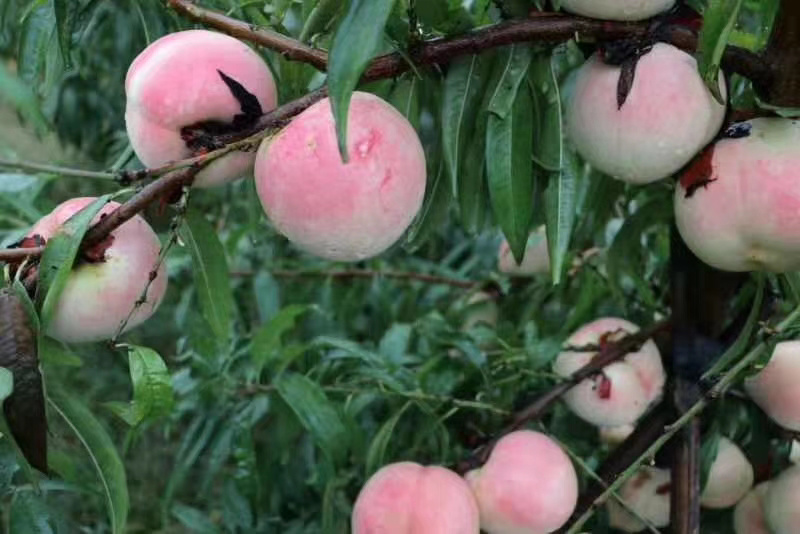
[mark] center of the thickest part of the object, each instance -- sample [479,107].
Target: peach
[535,261]
[647,493]
[730,479]
[178,81]
[775,388]
[794,452]
[625,389]
[780,502]
[748,516]
[617,9]
[527,486]
[669,115]
[614,435]
[343,211]
[99,295]
[407,498]
[738,207]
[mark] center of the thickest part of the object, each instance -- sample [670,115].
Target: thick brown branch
[782,87]
[288,47]
[609,354]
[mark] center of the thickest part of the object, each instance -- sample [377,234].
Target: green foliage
[269,385]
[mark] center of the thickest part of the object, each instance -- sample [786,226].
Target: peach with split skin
[188,78]
[617,9]
[527,485]
[730,478]
[748,516]
[101,292]
[408,498]
[780,502]
[647,493]
[775,387]
[668,117]
[624,390]
[343,211]
[738,206]
[535,261]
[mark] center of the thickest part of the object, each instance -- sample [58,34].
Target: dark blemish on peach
[699,173]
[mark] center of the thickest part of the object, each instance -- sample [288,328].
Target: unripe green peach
[407,498]
[780,502]
[669,115]
[625,389]
[737,206]
[617,9]
[647,493]
[730,479]
[99,295]
[528,485]
[535,261]
[775,388]
[178,81]
[748,516]
[343,211]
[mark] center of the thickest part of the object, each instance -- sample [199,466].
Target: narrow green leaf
[708,453]
[6,383]
[560,210]
[320,17]
[738,348]
[463,89]
[267,340]
[548,146]
[212,280]
[52,352]
[152,386]
[510,172]
[20,96]
[59,256]
[405,98]
[514,62]
[356,42]
[38,27]
[194,520]
[434,209]
[376,455]
[65,12]
[102,452]
[29,514]
[719,20]
[316,413]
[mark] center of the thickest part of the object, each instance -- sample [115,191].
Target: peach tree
[399,266]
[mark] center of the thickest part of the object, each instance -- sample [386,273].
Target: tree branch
[606,356]
[53,169]
[781,87]
[286,46]
[368,273]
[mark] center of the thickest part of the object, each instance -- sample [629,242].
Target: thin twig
[367,273]
[53,169]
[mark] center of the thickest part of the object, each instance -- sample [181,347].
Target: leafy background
[257,400]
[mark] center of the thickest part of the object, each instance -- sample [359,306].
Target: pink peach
[177,81]
[669,115]
[617,9]
[775,388]
[625,389]
[99,295]
[780,502]
[648,494]
[748,516]
[407,498]
[535,261]
[343,211]
[527,486]
[730,479]
[738,207]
